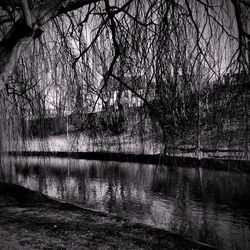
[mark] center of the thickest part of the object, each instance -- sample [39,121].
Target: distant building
[235,78]
[116,92]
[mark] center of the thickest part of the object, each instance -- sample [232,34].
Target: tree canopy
[204,28]
[73,49]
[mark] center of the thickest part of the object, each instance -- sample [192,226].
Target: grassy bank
[127,143]
[30,220]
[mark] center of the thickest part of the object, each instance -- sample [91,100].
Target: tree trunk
[19,35]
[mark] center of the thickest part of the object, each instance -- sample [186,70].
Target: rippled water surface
[205,205]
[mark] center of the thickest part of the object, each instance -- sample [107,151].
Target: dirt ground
[29,220]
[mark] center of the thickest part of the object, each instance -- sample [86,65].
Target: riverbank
[209,163]
[30,220]
[127,143]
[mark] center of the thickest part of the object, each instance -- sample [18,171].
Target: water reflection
[209,206]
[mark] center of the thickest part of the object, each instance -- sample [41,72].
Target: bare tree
[178,46]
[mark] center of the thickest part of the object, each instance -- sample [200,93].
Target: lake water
[205,205]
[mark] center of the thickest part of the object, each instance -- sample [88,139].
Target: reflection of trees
[217,187]
[125,190]
[114,187]
[194,213]
[199,197]
[129,182]
[84,176]
[7,170]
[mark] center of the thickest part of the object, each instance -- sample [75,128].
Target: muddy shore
[30,220]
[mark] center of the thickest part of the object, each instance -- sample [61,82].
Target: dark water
[205,205]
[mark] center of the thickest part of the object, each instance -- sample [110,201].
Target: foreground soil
[29,220]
